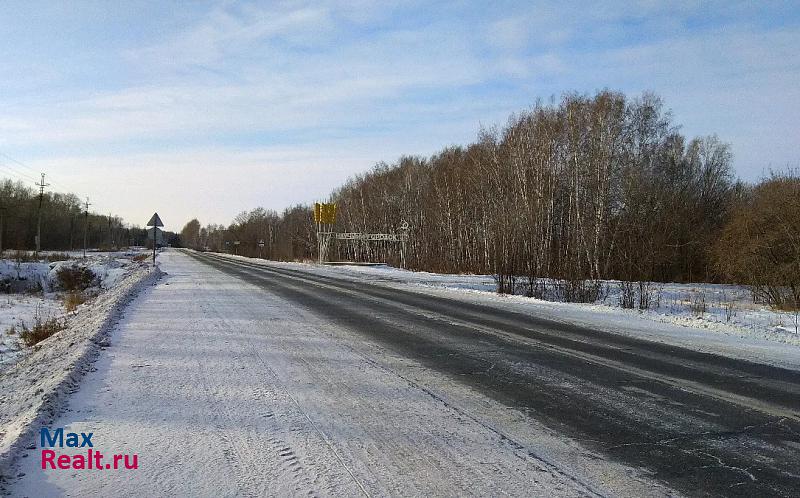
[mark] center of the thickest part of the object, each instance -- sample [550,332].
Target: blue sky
[209,108]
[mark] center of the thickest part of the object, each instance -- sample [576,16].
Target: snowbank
[718,308]
[18,277]
[30,290]
[21,277]
[32,390]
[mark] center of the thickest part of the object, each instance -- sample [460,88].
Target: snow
[224,389]
[19,277]
[32,290]
[33,387]
[754,332]
[108,272]
[725,308]
[16,309]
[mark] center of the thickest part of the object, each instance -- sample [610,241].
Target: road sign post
[155,222]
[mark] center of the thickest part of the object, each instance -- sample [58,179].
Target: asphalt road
[700,423]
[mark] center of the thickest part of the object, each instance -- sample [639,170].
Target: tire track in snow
[235,447]
[285,451]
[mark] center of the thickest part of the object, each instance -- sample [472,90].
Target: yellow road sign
[317,212]
[324,213]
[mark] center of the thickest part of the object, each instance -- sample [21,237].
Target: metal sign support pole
[155,222]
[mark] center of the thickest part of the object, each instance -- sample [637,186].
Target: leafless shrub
[580,291]
[697,303]
[627,295]
[649,295]
[75,278]
[642,295]
[506,284]
[730,310]
[42,328]
[536,288]
[73,299]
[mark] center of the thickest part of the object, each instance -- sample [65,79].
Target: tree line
[64,220]
[565,195]
[289,236]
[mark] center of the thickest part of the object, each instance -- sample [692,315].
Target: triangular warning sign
[155,221]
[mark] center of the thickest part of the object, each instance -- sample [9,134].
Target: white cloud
[277,91]
[510,33]
[225,32]
[337,87]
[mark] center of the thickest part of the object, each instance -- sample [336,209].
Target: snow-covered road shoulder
[33,389]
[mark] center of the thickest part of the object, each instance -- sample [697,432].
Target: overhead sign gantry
[325,217]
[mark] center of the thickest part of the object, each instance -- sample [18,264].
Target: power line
[18,163]
[18,174]
[27,177]
[57,184]
[15,171]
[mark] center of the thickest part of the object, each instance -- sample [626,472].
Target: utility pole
[85,226]
[39,222]
[71,230]
[2,215]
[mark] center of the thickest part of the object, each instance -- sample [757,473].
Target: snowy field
[30,290]
[714,318]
